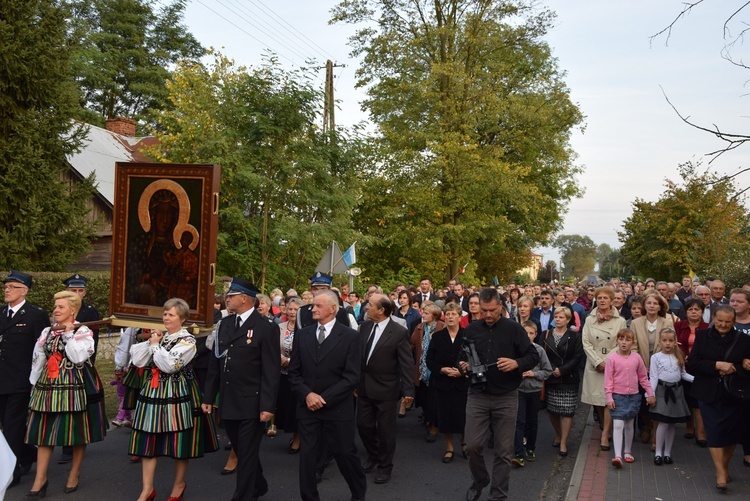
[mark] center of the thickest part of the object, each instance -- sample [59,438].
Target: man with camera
[502,352]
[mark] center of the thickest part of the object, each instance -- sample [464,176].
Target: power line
[253,37]
[262,30]
[323,51]
[300,48]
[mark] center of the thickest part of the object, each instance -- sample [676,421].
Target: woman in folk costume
[67,401]
[167,420]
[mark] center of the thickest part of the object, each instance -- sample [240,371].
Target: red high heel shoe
[178,498]
[151,496]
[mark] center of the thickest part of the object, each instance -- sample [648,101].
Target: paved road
[418,474]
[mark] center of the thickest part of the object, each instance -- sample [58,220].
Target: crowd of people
[328,364]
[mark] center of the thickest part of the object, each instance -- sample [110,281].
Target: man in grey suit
[387,374]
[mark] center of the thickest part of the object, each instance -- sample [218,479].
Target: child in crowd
[636,309]
[667,371]
[527,418]
[623,372]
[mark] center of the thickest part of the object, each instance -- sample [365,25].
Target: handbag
[737,387]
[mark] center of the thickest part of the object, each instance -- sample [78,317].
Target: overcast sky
[633,139]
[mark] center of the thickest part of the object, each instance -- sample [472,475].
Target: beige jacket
[599,340]
[640,328]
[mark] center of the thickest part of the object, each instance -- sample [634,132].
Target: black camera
[476,369]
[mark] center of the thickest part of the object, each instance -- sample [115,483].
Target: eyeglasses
[11,287]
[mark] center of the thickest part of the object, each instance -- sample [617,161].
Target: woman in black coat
[718,352]
[565,351]
[450,385]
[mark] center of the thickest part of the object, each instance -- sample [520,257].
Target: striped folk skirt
[133,382]
[168,420]
[67,410]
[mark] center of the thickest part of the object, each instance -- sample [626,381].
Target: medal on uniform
[249,336]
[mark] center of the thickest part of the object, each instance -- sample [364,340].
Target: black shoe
[318,477]
[701,443]
[16,480]
[24,470]
[71,490]
[382,478]
[668,460]
[369,465]
[65,459]
[658,461]
[474,492]
[260,494]
[227,471]
[40,493]
[359,499]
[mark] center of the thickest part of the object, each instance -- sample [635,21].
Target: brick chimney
[121,125]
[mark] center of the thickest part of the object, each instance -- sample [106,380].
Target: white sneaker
[117,422]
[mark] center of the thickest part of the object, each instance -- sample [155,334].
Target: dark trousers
[376,422]
[339,438]
[483,410]
[527,422]
[14,408]
[245,436]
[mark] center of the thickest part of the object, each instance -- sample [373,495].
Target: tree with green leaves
[611,264]
[286,189]
[697,223]
[577,253]
[123,50]
[549,272]
[472,161]
[44,218]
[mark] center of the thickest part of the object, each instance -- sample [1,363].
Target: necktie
[239,322]
[321,334]
[10,312]
[424,297]
[370,341]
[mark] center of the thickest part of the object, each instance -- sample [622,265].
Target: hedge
[46,284]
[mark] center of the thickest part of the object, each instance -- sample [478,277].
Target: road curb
[574,487]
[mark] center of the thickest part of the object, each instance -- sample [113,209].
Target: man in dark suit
[425,291]
[717,289]
[462,297]
[546,310]
[245,372]
[21,323]
[387,374]
[324,372]
[621,303]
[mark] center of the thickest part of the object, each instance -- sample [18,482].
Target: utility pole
[329,104]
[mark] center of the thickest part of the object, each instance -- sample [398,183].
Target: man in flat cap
[21,323]
[245,372]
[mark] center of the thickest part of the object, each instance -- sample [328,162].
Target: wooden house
[101,149]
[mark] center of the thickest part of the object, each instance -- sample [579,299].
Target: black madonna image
[162,261]
[164,243]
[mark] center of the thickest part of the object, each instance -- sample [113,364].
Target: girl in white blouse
[667,372]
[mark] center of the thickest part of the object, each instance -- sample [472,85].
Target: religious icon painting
[164,239]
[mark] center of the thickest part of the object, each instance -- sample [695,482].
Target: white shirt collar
[244,316]
[17,307]
[328,327]
[382,324]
